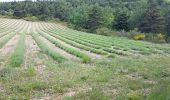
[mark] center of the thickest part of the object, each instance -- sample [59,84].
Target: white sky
[12,0]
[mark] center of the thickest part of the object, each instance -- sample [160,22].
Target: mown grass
[17,56]
[48,50]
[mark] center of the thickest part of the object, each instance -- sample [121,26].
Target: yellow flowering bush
[139,37]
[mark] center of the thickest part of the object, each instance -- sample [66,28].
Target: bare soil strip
[29,27]
[31,48]
[9,47]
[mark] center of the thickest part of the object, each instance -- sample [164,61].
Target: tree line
[146,16]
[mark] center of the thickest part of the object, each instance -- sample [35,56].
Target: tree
[167,28]
[94,20]
[121,22]
[79,17]
[19,11]
[153,20]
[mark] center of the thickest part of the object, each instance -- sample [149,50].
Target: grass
[91,95]
[48,50]
[161,92]
[107,79]
[17,57]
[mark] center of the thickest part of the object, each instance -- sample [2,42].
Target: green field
[48,61]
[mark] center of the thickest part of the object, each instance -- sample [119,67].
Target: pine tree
[121,22]
[95,20]
[153,20]
[167,27]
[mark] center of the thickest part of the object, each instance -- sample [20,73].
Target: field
[48,61]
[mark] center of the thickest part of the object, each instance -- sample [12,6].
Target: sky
[12,0]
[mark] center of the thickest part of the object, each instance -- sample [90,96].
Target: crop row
[5,33]
[47,50]
[76,43]
[103,50]
[17,56]
[73,51]
[81,38]
[122,45]
[97,38]
[2,30]
[5,39]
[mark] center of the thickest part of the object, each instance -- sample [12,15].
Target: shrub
[31,18]
[157,38]
[161,37]
[103,31]
[168,39]
[111,56]
[139,37]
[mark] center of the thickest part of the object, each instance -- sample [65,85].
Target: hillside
[40,60]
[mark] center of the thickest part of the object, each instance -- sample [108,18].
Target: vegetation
[75,52]
[48,50]
[5,39]
[17,57]
[148,16]
[48,60]
[119,68]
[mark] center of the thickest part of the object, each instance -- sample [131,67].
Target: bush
[168,39]
[157,38]
[139,37]
[161,37]
[103,31]
[31,18]
[43,17]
